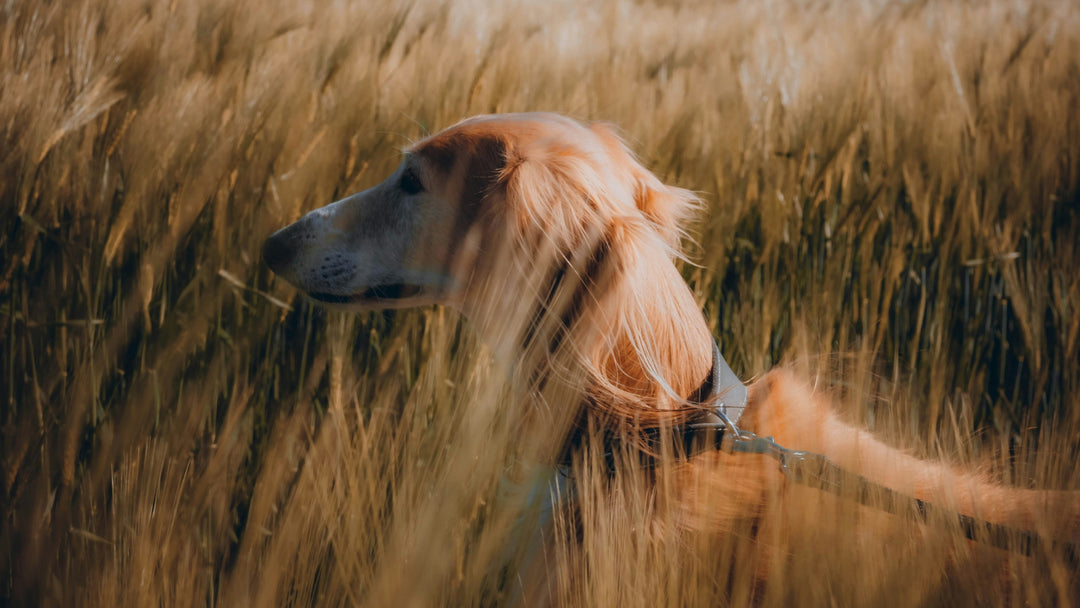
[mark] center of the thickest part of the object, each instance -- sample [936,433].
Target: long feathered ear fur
[670,209]
[576,195]
[565,188]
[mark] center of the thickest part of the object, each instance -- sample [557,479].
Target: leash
[817,471]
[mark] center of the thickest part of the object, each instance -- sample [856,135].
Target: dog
[540,217]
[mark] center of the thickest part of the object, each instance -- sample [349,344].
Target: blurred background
[892,201]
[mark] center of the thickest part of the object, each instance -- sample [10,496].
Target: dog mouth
[385,292]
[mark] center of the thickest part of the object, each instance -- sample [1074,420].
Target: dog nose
[278,251]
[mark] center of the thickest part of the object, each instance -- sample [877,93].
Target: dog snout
[279,250]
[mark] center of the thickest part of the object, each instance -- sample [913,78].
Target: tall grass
[893,202]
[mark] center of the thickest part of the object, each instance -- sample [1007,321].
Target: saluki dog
[553,221]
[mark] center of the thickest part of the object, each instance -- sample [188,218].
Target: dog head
[468,206]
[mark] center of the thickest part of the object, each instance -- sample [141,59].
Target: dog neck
[658,349]
[615,316]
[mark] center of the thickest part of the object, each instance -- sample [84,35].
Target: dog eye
[411,184]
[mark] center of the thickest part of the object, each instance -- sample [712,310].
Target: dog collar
[722,385]
[722,397]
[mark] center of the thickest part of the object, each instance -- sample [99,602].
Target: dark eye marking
[410,184]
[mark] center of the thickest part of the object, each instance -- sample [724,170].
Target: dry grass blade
[895,182]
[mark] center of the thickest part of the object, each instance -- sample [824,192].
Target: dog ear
[670,209]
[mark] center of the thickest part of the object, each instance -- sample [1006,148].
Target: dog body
[541,218]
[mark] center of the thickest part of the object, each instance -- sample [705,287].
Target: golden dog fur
[499,201]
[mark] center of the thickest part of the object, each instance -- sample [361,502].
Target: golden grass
[898,182]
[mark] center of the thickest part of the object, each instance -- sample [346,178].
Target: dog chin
[380,297]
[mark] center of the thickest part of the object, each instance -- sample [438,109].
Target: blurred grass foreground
[893,203]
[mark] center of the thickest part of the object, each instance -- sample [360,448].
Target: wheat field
[893,207]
